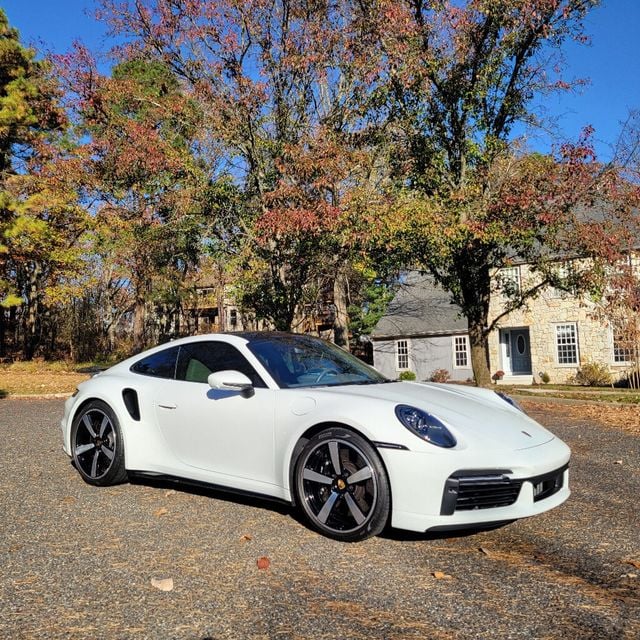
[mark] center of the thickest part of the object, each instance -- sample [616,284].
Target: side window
[199,359]
[402,355]
[160,365]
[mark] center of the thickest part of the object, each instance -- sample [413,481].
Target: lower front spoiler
[524,507]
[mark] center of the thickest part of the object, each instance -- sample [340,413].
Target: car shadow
[217,493]
[286,509]
[401,535]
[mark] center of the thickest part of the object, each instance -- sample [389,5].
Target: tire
[341,486]
[97,447]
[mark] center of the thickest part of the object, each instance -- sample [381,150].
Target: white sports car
[298,419]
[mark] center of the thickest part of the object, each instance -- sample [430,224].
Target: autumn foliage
[309,151]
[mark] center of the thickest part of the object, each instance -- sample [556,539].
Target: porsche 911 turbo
[295,418]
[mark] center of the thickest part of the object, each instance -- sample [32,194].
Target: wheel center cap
[341,484]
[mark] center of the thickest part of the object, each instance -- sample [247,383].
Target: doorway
[515,347]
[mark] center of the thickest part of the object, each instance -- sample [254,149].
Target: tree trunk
[478,344]
[139,320]
[222,321]
[475,286]
[341,303]
[32,314]
[177,314]
[3,351]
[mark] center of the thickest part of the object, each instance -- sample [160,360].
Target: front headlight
[511,401]
[425,426]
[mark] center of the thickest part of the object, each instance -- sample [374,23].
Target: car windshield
[303,361]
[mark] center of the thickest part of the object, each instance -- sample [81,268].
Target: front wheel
[342,486]
[96,445]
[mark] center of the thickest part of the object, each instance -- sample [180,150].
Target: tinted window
[160,365]
[197,360]
[303,361]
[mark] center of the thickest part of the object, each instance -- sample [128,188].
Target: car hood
[475,416]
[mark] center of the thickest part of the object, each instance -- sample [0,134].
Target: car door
[218,431]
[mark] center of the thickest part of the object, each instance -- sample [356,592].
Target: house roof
[420,308]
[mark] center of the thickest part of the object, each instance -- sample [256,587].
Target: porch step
[516,379]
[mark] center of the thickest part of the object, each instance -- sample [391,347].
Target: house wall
[426,355]
[595,341]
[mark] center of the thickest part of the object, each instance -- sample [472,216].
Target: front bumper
[65,424]
[535,480]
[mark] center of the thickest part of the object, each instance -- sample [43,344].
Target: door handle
[167,406]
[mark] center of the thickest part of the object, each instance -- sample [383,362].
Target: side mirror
[231,380]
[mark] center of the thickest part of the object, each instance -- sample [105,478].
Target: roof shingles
[420,307]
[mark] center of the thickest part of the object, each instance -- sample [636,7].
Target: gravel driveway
[77,561]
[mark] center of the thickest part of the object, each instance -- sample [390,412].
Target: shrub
[407,375]
[593,374]
[439,375]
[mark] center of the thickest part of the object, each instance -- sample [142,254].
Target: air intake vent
[466,491]
[486,493]
[130,398]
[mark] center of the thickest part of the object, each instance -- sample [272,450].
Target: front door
[520,351]
[218,431]
[516,351]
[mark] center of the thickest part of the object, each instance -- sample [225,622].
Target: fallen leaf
[263,563]
[483,550]
[164,584]
[440,575]
[245,538]
[629,575]
[162,511]
[618,462]
[634,563]
[68,500]
[169,493]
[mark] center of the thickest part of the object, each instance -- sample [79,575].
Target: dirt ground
[153,560]
[625,417]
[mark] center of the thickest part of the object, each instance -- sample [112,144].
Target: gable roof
[420,308]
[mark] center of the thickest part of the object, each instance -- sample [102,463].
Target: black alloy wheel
[96,445]
[342,486]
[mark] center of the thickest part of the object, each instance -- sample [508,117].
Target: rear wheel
[96,445]
[342,486]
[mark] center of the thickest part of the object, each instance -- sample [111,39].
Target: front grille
[486,493]
[470,490]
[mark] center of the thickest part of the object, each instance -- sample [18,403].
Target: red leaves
[296,221]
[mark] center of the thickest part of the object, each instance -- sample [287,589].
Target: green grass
[591,394]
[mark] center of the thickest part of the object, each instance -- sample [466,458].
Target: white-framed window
[461,355]
[509,280]
[402,355]
[567,343]
[624,346]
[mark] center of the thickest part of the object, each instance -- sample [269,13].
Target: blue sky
[610,62]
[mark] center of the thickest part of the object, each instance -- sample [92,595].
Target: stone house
[555,334]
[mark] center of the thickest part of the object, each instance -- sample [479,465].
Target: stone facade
[560,326]
[555,334]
